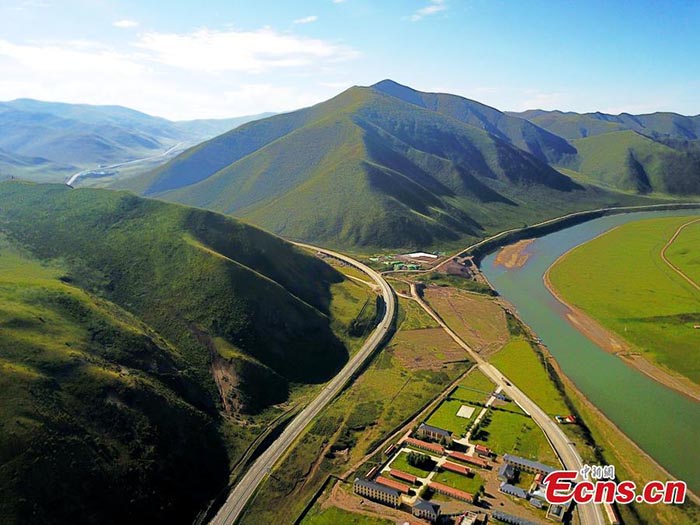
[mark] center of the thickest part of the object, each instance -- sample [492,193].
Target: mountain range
[46,141]
[385,166]
[142,346]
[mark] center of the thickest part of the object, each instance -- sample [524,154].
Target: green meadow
[620,280]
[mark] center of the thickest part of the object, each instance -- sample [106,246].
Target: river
[662,422]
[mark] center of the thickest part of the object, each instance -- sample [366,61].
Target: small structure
[483,451]
[527,465]
[537,503]
[458,469]
[404,476]
[465,411]
[434,434]
[471,518]
[421,255]
[426,510]
[430,447]
[557,512]
[479,462]
[450,492]
[393,484]
[377,492]
[506,473]
[510,519]
[512,490]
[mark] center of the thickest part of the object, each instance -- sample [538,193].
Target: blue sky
[219,58]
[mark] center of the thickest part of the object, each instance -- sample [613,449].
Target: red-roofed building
[453,467]
[430,447]
[409,478]
[392,484]
[482,450]
[450,492]
[470,459]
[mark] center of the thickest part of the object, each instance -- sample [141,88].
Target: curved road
[246,486]
[673,266]
[569,456]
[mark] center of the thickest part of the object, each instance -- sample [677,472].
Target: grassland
[401,463]
[620,280]
[446,417]
[684,252]
[140,340]
[335,516]
[415,367]
[476,380]
[519,362]
[469,484]
[510,431]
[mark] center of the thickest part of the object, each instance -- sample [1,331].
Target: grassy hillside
[572,125]
[651,307]
[628,160]
[366,169]
[137,338]
[520,132]
[95,426]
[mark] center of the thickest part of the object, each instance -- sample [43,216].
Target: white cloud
[434,6]
[306,19]
[125,24]
[242,51]
[338,1]
[70,57]
[236,73]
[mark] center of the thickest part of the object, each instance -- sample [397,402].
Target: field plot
[519,362]
[469,484]
[478,319]
[334,516]
[621,281]
[513,432]
[401,463]
[446,417]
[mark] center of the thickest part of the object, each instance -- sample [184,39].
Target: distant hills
[138,340]
[47,140]
[384,166]
[658,152]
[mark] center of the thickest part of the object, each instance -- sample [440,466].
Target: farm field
[620,280]
[478,319]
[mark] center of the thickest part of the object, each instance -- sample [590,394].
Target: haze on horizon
[220,60]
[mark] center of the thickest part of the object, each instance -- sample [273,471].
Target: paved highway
[74,178]
[246,486]
[569,456]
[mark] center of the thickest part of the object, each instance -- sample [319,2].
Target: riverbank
[617,345]
[514,255]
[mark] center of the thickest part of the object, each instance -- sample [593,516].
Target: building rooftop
[512,490]
[456,493]
[436,430]
[509,518]
[403,475]
[459,469]
[434,447]
[517,460]
[506,470]
[469,459]
[401,487]
[421,504]
[369,484]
